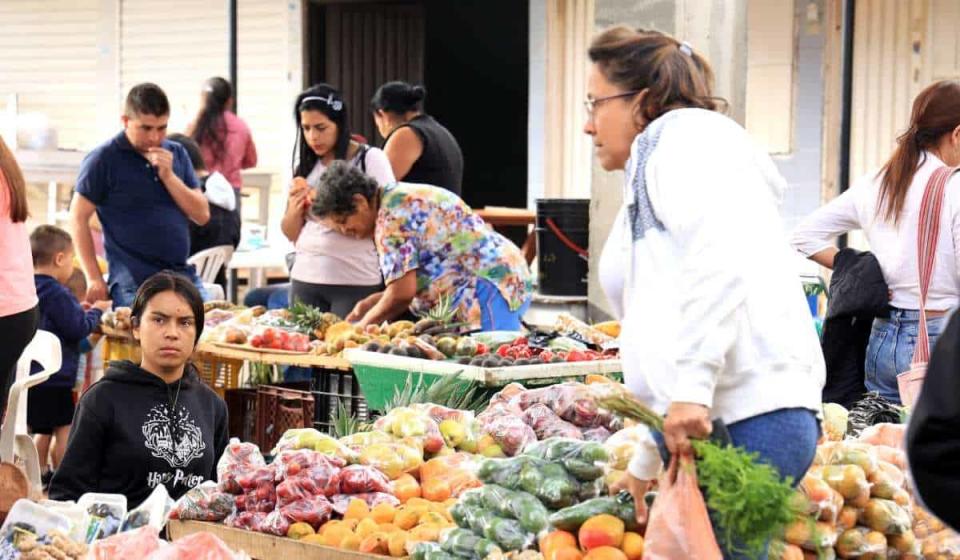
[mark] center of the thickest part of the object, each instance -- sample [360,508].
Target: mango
[602,531]
[632,546]
[605,553]
[552,543]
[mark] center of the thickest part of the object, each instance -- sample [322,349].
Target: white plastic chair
[14,441]
[208,263]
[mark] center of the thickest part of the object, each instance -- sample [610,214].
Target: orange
[437,490]
[406,487]
[566,553]
[383,513]
[632,546]
[357,509]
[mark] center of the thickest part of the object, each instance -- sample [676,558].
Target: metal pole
[232,48]
[846,109]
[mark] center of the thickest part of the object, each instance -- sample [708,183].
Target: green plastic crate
[380,376]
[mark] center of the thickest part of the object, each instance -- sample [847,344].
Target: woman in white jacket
[886,206]
[697,265]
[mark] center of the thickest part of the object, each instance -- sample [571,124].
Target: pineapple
[312,320]
[439,318]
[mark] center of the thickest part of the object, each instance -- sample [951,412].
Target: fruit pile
[856,504]
[278,339]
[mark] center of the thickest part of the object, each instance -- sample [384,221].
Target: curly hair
[337,186]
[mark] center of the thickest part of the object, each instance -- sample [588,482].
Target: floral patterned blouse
[433,231]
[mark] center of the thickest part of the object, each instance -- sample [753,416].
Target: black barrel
[563,236]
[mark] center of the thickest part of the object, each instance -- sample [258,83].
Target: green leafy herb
[750,502]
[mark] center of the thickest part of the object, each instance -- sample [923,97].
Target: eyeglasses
[590,104]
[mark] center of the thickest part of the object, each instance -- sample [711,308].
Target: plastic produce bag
[849,480]
[547,424]
[819,499]
[246,520]
[549,482]
[522,506]
[393,459]
[886,517]
[134,544]
[860,541]
[854,453]
[447,477]
[340,502]
[599,434]
[405,422]
[891,435]
[292,463]
[357,442]
[944,545]
[621,445]
[105,514]
[275,523]
[239,455]
[76,515]
[440,413]
[621,506]
[834,421]
[309,438]
[314,511]
[509,430]
[465,544]
[198,546]
[361,479]
[204,503]
[679,527]
[583,459]
[153,511]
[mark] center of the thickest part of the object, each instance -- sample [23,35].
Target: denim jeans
[891,346]
[495,313]
[785,438]
[123,288]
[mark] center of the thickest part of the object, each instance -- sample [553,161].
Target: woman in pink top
[224,139]
[332,271]
[18,294]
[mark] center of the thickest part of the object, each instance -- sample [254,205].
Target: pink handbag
[910,382]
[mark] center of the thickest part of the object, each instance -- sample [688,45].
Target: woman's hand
[685,421]
[299,197]
[638,489]
[362,307]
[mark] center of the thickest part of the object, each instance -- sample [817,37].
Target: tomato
[503,351]
[577,356]
[522,341]
[482,348]
[256,341]
[546,356]
[522,353]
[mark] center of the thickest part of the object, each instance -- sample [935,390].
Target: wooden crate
[261,546]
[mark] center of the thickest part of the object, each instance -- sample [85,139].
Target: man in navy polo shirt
[144,190]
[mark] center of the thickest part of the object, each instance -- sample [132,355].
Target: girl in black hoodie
[153,423]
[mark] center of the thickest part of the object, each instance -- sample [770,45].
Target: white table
[258,262]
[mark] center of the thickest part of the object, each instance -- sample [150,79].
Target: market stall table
[258,262]
[261,546]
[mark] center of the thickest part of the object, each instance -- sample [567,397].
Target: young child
[77,284]
[50,405]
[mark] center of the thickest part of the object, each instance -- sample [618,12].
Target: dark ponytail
[210,129]
[674,75]
[399,98]
[936,111]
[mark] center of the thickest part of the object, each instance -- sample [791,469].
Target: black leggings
[335,298]
[16,331]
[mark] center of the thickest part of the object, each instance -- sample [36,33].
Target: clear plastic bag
[510,432]
[361,440]
[292,463]
[74,513]
[314,511]
[257,477]
[29,519]
[598,434]
[583,459]
[106,513]
[239,455]
[405,422]
[944,545]
[318,480]
[547,424]
[361,479]
[849,480]
[886,517]
[810,535]
[822,502]
[856,453]
[447,477]
[198,546]
[393,459]
[246,520]
[263,498]
[621,446]
[134,544]
[309,438]
[890,435]
[440,413]
[153,511]
[204,503]
[860,541]
[340,502]
[679,527]
[275,523]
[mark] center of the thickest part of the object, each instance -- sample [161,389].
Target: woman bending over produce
[150,423]
[432,247]
[697,264]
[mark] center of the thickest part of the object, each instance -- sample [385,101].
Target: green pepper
[508,534]
[465,544]
[558,489]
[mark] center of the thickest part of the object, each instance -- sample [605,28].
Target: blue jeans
[890,350]
[123,287]
[275,296]
[785,438]
[495,313]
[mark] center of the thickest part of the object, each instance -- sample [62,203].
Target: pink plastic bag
[198,546]
[679,526]
[132,544]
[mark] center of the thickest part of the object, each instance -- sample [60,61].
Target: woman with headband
[332,271]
